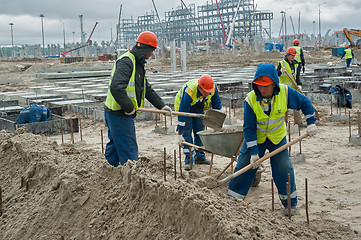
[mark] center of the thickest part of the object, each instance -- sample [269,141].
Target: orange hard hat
[296,42]
[206,83]
[148,38]
[292,51]
[263,81]
[347,46]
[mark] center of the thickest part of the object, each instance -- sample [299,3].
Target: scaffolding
[184,24]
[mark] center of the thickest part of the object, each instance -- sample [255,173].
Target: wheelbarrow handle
[195,146]
[265,157]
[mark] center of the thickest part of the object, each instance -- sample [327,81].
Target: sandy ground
[73,192]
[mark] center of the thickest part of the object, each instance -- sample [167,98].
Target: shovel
[298,89]
[211,118]
[265,157]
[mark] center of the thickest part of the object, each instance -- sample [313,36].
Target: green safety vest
[130,89]
[298,55]
[192,91]
[273,126]
[348,53]
[284,79]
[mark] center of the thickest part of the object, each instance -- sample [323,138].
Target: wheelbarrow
[226,142]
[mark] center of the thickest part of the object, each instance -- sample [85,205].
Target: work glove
[253,160]
[167,108]
[299,87]
[303,69]
[312,130]
[283,69]
[180,139]
[130,113]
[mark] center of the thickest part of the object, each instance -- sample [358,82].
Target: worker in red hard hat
[196,96]
[290,66]
[299,57]
[264,128]
[128,87]
[348,54]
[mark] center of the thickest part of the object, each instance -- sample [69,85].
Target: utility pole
[12,34]
[81,30]
[42,32]
[319,21]
[63,34]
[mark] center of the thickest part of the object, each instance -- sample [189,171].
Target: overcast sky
[335,15]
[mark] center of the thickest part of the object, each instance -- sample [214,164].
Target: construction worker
[264,128]
[290,65]
[33,113]
[195,96]
[348,54]
[127,89]
[115,54]
[299,58]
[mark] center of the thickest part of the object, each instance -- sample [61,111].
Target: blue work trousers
[281,167]
[193,125]
[122,143]
[348,62]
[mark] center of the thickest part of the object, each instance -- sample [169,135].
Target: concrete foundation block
[339,118]
[355,139]
[230,121]
[299,158]
[163,130]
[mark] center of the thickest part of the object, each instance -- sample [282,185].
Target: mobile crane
[355,32]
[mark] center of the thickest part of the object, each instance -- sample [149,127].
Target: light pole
[319,21]
[42,32]
[63,34]
[12,34]
[284,19]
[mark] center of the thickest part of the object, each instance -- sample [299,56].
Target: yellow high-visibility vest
[284,79]
[273,126]
[130,89]
[192,90]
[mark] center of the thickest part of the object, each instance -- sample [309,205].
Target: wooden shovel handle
[265,157]
[173,113]
[294,83]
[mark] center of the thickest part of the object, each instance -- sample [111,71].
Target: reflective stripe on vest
[273,126]
[130,89]
[298,55]
[192,91]
[348,53]
[284,79]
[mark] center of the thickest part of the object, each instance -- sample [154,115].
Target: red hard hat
[292,51]
[347,46]
[296,42]
[206,83]
[148,38]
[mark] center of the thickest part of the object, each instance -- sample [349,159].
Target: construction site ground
[70,190]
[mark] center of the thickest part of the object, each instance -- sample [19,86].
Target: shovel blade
[214,119]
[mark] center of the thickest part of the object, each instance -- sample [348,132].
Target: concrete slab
[167,131]
[28,99]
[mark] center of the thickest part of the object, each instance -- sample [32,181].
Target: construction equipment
[86,44]
[355,32]
[265,157]
[211,118]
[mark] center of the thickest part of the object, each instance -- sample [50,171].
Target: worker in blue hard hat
[128,88]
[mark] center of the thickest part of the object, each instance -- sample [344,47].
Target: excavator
[355,32]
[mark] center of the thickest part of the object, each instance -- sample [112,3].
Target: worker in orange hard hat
[196,96]
[299,57]
[348,54]
[128,87]
[289,66]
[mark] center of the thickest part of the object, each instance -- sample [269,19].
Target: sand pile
[76,194]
